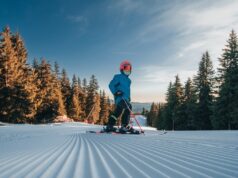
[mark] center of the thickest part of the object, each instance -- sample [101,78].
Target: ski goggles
[127,68]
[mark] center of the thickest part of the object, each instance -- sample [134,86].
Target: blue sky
[160,38]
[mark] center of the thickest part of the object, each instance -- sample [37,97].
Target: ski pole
[91,111]
[142,131]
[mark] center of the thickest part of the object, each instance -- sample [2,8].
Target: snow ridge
[67,151]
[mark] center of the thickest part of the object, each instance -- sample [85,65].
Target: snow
[2,124]
[65,150]
[141,119]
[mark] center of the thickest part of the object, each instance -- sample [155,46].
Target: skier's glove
[118,93]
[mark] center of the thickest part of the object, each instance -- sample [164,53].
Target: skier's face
[127,72]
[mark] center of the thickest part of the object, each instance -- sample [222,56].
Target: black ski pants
[121,108]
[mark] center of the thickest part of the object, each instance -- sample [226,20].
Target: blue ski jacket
[121,82]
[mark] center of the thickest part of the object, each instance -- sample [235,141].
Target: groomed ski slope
[65,150]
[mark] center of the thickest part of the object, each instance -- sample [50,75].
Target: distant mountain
[138,107]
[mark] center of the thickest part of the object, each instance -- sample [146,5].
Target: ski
[163,133]
[102,132]
[112,133]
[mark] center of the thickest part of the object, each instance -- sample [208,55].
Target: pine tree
[27,92]
[155,120]
[36,94]
[15,94]
[85,85]
[168,109]
[152,115]
[9,64]
[58,105]
[56,70]
[49,105]
[92,100]
[96,110]
[160,117]
[25,87]
[176,100]
[229,57]
[204,82]
[104,112]
[173,111]
[190,100]
[79,83]
[37,83]
[21,53]
[110,108]
[82,100]
[226,108]
[75,107]
[30,88]
[65,90]
[35,64]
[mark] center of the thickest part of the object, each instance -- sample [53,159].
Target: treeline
[40,93]
[207,101]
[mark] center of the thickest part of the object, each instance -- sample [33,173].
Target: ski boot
[109,128]
[123,130]
[128,129]
[131,130]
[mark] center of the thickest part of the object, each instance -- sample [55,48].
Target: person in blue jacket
[120,88]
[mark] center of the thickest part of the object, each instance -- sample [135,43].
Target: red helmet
[125,65]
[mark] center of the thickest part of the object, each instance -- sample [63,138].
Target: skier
[120,88]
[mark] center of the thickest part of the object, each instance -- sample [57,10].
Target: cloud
[188,27]
[123,53]
[80,22]
[185,18]
[163,74]
[150,83]
[77,19]
[126,6]
[179,32]
[191,28]
[189,21]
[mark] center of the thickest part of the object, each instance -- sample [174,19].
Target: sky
[160,38]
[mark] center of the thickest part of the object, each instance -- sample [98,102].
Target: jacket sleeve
[113,84]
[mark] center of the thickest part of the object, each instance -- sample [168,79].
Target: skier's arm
[113,85]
